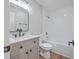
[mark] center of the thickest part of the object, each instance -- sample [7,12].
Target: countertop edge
[12,41]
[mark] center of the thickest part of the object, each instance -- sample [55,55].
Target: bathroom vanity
[26,48]
[21,46]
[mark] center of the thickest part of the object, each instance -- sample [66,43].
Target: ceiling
[54,4]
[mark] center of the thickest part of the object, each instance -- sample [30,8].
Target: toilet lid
[46,45]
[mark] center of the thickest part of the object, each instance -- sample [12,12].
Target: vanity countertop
[15,40]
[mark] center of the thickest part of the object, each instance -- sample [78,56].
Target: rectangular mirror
[19,18]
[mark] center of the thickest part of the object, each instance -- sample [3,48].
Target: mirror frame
[16,6]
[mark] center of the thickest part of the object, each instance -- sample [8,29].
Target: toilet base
[45,54]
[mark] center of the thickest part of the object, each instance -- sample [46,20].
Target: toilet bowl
[46,47]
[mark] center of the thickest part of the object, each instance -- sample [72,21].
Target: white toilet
[45,50]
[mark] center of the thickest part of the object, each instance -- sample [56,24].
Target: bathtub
[63,49]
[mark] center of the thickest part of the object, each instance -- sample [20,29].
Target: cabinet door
[31,53]
[34,53]
[23,55]
[14,57]
[18,51]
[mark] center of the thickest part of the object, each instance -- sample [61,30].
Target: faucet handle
[20,30]
[23,34]
[17,29]
[15,35]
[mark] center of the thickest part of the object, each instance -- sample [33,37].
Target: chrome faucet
[19,30]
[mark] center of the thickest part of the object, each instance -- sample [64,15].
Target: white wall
[6,23]
[35,17]
[60,26]
[6,27]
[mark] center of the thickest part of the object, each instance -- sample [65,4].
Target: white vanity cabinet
[27,49]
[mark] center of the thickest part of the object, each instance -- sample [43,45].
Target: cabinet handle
[30,50]
[34,42]
[21,46]
[26,52]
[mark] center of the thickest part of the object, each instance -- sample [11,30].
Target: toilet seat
[46,46]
